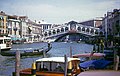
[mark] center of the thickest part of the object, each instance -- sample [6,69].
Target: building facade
[13,24]
[19,27]
[111,23]
[3,24]
[97,22]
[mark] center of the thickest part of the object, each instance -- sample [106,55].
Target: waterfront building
[97,22]
[34,31]
[111,23]
[3,24]
[13,24]
[23,26]
[116,22]
[20,27]
[45,25]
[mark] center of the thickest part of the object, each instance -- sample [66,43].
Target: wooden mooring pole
[17,63]
[44,53]
[70,51]
[0,49]
[65,58]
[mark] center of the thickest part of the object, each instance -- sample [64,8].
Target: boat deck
[100,73]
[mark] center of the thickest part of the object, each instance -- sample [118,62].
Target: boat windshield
[7,40]
[50,66]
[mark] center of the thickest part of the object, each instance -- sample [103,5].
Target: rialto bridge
[56,33]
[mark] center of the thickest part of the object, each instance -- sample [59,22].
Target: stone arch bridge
[57,33]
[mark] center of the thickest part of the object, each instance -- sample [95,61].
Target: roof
[56,59]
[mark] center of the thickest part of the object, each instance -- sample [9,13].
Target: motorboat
[53,66]
[5,43]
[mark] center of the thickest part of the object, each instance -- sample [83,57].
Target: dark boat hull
[26,53]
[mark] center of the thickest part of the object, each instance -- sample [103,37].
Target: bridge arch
[87,30]
[62,29]
[83,29]
[54,32]
[45,34]
[92,31]
[66,28]
[79,29]
[96,31]
[58,30]
[50,33]
[77,36]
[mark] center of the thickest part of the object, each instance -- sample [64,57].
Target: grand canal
[7,66]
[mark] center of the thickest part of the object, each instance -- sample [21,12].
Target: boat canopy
[56,59]
[89,54]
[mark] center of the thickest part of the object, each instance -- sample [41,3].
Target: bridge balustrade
[87,30]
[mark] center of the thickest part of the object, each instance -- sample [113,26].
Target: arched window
[92,31]
[87,30]
[83,29]
[96,32]
[62,29]
[58,30]
[79,28]
[66,28]
[45,34]
[54,32]
[49,32]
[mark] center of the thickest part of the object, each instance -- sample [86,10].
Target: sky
[59,11]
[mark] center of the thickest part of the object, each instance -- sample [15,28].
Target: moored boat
[27,53]
[53,66]
[5,43]
[89,56]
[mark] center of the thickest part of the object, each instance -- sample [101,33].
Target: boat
[92,61]
[53,66]
[5,43]
[28,53]
[95,64]
[89,56]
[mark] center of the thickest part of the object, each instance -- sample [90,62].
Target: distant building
[97,22]
[3,24]
[45,25]
[19,27]
[111,23]
[13,24]
[34,30]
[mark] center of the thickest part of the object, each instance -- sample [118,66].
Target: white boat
[53,66]
[5,43]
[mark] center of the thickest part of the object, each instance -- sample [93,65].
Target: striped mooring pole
[33,69]
[69,70]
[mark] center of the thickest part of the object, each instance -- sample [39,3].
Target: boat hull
[25,53]
[27,72]
[6,49]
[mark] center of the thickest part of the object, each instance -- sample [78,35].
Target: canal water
[7,65]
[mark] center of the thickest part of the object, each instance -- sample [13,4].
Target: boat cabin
[5,43]
[53,66]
